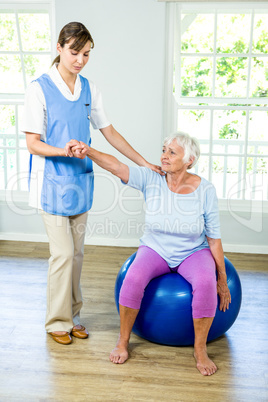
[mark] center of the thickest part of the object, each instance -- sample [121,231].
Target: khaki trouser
[66,243]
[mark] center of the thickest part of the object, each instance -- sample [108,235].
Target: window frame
[17,99]
[171,106]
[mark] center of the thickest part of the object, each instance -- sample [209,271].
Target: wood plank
[35,368]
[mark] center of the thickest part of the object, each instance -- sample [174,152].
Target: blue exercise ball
[165,315]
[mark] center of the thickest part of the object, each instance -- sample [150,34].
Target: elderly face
[172,158]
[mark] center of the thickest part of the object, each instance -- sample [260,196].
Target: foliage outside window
[25,53]
[221,90]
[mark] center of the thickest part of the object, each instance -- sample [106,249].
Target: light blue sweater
[176,225]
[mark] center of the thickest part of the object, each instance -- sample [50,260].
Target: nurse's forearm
[119,143]
[37,147]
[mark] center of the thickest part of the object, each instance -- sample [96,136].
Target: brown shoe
[64,339]
[81,333]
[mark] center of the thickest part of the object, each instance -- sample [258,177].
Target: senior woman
[182,235]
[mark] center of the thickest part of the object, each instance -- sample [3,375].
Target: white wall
[127,64]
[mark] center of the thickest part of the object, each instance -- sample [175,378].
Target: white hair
[189,144]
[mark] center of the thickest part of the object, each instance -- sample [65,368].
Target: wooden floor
[35,368]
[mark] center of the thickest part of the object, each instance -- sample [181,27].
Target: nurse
[59,107]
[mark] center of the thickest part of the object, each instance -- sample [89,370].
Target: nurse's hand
[73,148]
[155,168]
[79,150]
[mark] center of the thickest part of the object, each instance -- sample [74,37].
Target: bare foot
[203,362]
[120,353]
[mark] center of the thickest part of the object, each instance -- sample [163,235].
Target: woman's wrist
[221,273]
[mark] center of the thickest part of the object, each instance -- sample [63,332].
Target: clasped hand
[75,148]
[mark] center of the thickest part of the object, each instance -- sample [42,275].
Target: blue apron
[68,183]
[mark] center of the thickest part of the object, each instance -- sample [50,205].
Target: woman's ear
[59,48]
[191,160]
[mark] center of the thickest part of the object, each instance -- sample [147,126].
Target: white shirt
[35,121]
[176,225]
[35,117]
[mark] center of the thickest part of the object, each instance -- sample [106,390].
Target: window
[219,81]
[25,53]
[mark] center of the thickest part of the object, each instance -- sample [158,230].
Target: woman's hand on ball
[224,293]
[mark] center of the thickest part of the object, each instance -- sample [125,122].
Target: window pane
[2,170]
[11,79]
[7,113]
[231,77]
[260,149]
[223,147]
[36,66]
[11,164]
[196,73]
[35,32]
[10,141]
[226,175]
[8,32]
[35,38]
[261,182]
[258,123]
[262,165]
[230,125]
[23,168]
[20,181]
[257,178]
[239,137]
[234,173]
[202,167]
[260,34]
[22,141]
[233,32]
[20,116]
[195,122]
[217,174]
[197,33]
[259,78]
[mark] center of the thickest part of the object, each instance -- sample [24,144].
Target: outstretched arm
[119,143]
[105,161]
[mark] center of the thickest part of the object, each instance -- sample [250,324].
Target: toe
[211,370]
[204,371]
[114,358]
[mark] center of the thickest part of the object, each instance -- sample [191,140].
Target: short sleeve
[139,177]
[34,114]
[211,213]
[98,117]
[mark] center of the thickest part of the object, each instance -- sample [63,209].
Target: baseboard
[91,241]
[245,248]
[38,238]
[100,241]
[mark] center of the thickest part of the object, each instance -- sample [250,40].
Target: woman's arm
[119,143]
[216,249]
[105,161]
[38,147]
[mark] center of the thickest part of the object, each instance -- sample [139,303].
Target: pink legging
[198,269]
